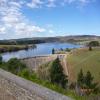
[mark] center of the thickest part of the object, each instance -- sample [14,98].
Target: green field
[85,59]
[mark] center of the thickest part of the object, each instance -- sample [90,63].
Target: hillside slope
[85,59]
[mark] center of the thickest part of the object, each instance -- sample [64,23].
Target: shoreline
[14,48]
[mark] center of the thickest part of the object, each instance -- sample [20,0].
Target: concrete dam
[34,62]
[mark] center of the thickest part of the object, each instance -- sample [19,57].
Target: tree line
[20,42]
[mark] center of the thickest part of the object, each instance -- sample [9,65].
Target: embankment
[21,89]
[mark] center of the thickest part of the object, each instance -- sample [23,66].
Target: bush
[56,73]
[14,66]
[68,50]
[25,73]
[72,85]
[90,48]
[0,59]
[80,79]
[94,43]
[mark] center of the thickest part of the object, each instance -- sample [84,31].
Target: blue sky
[39,18]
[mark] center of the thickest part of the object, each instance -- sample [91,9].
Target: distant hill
[35,40]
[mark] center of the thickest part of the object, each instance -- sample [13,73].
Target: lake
[41,49]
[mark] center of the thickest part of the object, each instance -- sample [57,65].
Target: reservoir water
[41,49]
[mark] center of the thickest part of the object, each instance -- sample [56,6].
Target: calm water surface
[41,49]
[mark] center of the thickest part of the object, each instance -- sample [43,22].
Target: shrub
[90,48]
[80,79]
[14,65]
[86,82]
[25,73]
[94,43]
[56,73]
[0,59]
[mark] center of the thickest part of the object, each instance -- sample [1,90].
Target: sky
[48,18]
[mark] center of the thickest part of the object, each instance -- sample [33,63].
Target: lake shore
[12,48]
[40,50]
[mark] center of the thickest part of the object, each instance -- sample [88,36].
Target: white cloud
[69,1]
[51,3]
[15,4]
[41,3]
[23,28]
[13,20]
[35,4]
[51,31]
[2,30]
[78,1]
[55,3]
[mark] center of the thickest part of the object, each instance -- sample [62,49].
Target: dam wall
[13,87]
[34,62]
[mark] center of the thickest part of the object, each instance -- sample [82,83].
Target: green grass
[67,92]
[85,59]
[33,77]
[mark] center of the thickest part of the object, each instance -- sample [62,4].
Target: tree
[90,84]
[88,79]
[80,79]
[90,48]
[56,74]
[53,51]
[0,59]
[94,43]
[86,82]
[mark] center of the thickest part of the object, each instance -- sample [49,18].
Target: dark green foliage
[94,43]
[90,48]
[53,51]
[90,84]
[56,74]
[72,85]
[25,73]
[68,50]
[14,65]
[21,41]
[0,59]
[80,79]
[86,81]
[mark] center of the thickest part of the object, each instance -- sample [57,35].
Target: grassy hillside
[77,39]
[10,48]
[85,59]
